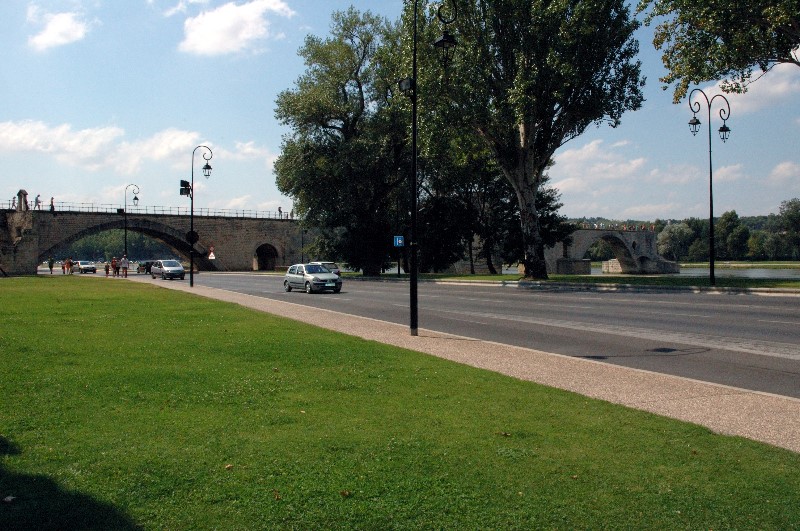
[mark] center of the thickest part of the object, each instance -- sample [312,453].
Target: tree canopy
[722,39]
[532,75]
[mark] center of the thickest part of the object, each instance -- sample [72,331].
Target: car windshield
[314,268]
[171,263]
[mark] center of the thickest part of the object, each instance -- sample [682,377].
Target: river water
[749,272]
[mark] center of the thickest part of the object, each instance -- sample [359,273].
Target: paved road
[747,341]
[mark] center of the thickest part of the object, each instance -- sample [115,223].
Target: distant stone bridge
[29,237]
[634,250]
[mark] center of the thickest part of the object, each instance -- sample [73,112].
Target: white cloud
[231,28]
[593,163]
[729,173]
[87,147]
[785,172]
[180,7]
[98,148]
[774,88]
[59,28]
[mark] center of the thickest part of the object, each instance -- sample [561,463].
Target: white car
[167,269]
[311,278]
[330,266]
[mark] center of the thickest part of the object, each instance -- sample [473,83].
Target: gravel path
[727,410]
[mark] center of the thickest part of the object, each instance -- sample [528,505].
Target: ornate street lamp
[446,46]
[125,211]
[724,133]
[188,189]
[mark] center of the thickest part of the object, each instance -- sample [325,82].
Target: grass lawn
[127,406]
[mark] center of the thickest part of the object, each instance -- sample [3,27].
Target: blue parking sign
[399,241]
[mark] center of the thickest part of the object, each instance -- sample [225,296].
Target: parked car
[311,278]
[83,266]
[167,269]
[145,266]
[331,266]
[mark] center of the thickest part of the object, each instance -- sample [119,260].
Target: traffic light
[186,188]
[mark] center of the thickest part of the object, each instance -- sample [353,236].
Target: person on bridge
[38,204]
[52,205]
[124,264]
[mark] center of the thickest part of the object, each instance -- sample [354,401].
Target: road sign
[211,255]
[399,241]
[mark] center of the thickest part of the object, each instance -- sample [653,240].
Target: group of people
[37,203]
[66,265]
[119,268]
[618,226]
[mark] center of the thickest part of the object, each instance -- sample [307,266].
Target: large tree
[723,39]
[531,75]
[344,157]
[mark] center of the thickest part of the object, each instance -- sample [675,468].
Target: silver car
[167,269]
[311,278]
[83,266]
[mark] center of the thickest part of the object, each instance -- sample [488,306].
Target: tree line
[529,76]
[772,237]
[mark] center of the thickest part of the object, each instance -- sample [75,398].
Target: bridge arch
[622,251]
[166,234]
[265,258]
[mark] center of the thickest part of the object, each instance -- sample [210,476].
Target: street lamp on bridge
[724,133]
[446,46]
[125,211]
[187,188]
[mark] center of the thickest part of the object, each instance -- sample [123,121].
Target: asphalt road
[743,340]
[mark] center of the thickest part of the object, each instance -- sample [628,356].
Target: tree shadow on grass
[38,502]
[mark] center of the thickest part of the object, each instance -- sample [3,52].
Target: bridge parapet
[240,243]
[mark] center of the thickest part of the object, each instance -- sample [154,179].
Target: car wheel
[308,288]
[163,276]
[286,286]
[153,275]
[337,290]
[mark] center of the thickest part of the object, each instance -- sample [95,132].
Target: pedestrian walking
[14,203]
[50,264]
[107,269]
[69,265]
[38,204]
[63,267]
[52,205]
[114,266]
[124,264]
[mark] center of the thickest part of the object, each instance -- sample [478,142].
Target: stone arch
[158,231]
[621,250]
[265,258]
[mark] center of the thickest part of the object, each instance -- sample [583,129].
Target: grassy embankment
[126,405]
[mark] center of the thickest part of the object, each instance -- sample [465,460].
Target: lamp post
[125,211]
[724,133]
[446,45]
[188,189]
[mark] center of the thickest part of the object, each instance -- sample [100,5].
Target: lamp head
[135,200]
[446,44]
[724,132]
[694,125]
[207,170]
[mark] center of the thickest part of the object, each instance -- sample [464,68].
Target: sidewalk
[727,410]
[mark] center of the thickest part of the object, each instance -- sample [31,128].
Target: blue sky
[99,94]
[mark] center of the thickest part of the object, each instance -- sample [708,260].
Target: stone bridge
[29,237]
[634,250]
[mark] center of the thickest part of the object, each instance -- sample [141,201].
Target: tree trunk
[533,245]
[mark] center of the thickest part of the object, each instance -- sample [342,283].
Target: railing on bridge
[161,210]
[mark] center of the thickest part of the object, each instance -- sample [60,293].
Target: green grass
[128,406]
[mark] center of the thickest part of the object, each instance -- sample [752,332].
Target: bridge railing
[62,206]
